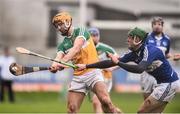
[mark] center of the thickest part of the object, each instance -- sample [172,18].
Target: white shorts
[85,82]
[108,83]
[165,91]
[148,83]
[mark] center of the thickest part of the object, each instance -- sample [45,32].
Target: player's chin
[64,33]
[130,48]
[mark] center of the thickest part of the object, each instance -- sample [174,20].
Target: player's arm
[114,67]
[59,56]
[56,66]
[107,63]
[141,67]
[78,43]
[101,64]
[111,51]
[148,57]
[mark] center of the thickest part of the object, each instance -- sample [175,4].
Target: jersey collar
[154,36]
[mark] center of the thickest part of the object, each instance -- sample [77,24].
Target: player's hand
[81,66]
[113,58]
[176,57]
[56,67]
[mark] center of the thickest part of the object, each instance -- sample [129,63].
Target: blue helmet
[94,31]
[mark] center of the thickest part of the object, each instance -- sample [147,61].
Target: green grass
[52,102]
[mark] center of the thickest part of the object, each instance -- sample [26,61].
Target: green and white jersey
[87,54]
[102,49]
[69,41]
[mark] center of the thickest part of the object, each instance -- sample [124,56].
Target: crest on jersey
[164,43]
[151,41]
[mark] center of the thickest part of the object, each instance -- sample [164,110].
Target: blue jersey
[158,66]
[162,43]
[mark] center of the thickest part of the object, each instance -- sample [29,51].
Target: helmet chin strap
[134,41]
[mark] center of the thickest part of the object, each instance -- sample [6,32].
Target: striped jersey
[162,42]
[87,54]
[158,66]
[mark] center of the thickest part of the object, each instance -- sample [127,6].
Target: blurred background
[27,23]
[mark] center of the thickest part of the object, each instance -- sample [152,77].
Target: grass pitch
[50,102]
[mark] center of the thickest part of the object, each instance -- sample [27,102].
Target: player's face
[157,27]
[62,28]
[130,41]
[133,43]
[95,39]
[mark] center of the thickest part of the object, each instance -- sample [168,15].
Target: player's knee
[72,108]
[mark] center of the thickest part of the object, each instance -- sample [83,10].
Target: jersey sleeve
[61,48]
[147,39]
[126,57]
[168,47]
[83,33]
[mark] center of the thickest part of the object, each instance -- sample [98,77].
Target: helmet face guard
[136,34]
[135,39]
[62,22]
[63,28]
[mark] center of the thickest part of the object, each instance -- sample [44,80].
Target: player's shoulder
[81,32]
[127,52]
[152,48]
[150,34]
[166,36]
[80,29]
